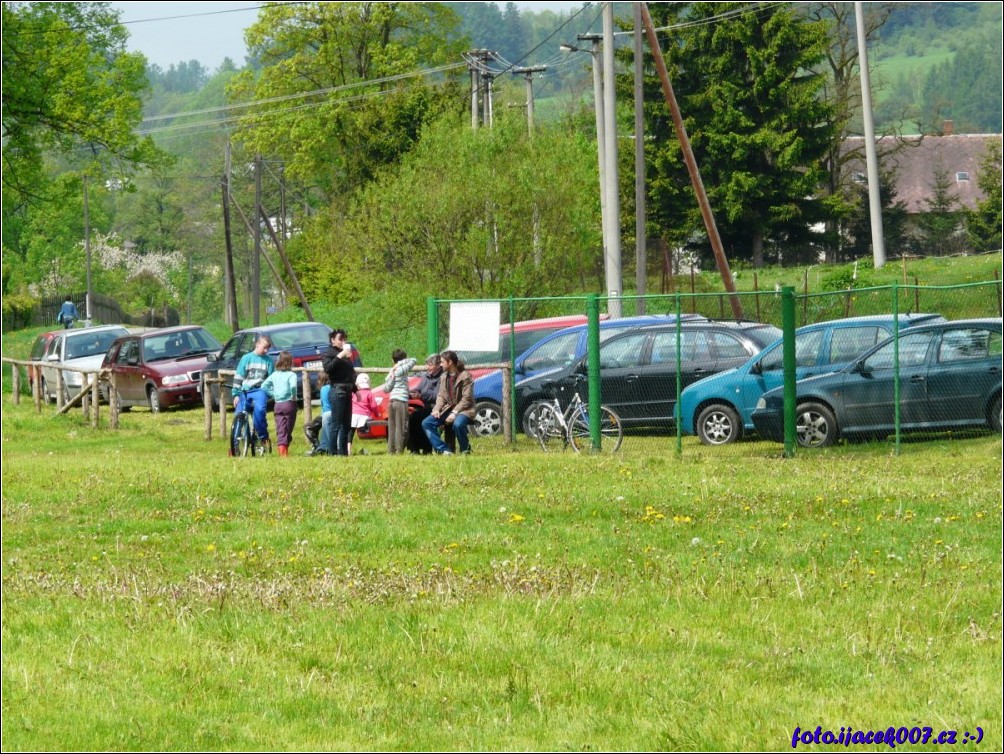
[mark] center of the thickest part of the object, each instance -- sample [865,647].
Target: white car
[82,348]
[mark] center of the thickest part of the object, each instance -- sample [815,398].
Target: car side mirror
[757,368]
[52,357]
[862,368]
[133,361]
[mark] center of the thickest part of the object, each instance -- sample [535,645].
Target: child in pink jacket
[364,406]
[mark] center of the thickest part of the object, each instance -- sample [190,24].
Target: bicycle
[571,426]
[244,440]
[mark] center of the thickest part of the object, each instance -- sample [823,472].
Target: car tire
[994,416]
[153,400]
[718,424]
[44,387]
[815,426]
[487,419]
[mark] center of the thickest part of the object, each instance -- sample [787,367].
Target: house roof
[915,160]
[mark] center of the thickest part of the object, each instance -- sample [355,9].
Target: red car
[38,349]
[161,368]
[526,334]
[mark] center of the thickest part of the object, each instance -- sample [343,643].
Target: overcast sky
[179,31]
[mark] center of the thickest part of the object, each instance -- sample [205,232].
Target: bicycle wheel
[611,433]
[550,430]
[241,436]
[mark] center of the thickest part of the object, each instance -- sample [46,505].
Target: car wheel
[815,426]
[45,392]
[718,424]
[487,419]
[153,400]
[995,414]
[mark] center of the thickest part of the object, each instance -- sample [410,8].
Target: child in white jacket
[396,388]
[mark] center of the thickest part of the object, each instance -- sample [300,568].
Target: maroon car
[161,368]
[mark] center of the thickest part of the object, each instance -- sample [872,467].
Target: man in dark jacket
[426,391]
[337,362]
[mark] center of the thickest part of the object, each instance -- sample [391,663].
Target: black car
[638,368]
[949,378]
[306,341]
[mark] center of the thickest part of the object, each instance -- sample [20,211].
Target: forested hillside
[371,170]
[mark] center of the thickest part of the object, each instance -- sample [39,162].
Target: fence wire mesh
[683,372]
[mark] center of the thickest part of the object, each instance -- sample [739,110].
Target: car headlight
[762,403]
[175,379]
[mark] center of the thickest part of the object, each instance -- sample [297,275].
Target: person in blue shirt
[67,314]
[252,370]
[281,385]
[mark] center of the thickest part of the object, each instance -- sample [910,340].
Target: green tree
[337,92]
[983,223]
[857,223]
[940,224]
[468,213]
[759,128]
[67,82]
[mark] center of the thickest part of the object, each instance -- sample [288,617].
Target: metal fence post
[593,351]
[432,325]
[895,363]
[788,351]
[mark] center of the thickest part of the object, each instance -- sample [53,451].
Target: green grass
[159,595]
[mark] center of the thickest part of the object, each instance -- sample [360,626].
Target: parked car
[526,332]
[160,368]
[38,349]
[80,348]
[638,368]
[306,341]
[949,378]
[719,409]
[557,350]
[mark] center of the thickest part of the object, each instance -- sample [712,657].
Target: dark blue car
[719,409]
[949,378]
[557,350]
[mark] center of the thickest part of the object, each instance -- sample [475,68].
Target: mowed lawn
[159,595]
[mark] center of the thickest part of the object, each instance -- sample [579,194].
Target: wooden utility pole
[695,173]
[289,267]
[256,258]
[229,288]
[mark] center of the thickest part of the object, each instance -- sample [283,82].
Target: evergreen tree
[940,224]
[757,124]
[983,224]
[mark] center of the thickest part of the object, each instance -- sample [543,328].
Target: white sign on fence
[475,326]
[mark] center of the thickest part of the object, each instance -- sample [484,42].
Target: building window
[962,177]
[859,178]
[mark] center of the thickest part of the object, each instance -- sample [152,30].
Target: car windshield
[178,344]
[92,344]
[311,334]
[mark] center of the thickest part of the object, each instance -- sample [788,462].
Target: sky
[178,31]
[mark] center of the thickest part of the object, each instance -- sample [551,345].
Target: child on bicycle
[281,385]
[252,370]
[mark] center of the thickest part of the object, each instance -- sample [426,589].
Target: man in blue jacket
[251,372]
[67,314]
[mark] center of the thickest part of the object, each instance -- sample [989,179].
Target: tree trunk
[757,243]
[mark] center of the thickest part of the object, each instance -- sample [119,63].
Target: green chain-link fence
[685,377]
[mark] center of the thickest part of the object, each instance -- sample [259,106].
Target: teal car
[719,409]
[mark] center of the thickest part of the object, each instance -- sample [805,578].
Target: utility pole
[475,90]
[874,198]
[528,73]
[594,52]
[88,305]
[256,258]
[695,174]
[229,287]
[640,236]
[612,261]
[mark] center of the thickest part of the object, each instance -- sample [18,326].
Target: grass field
[159,595]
